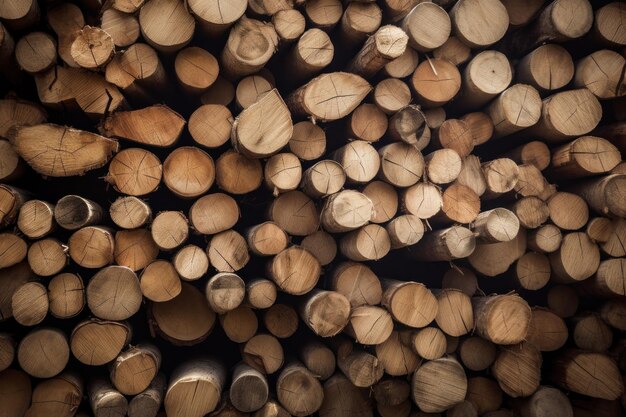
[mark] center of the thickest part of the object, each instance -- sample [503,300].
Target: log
[455,316]
[522,14]
[295,213]
[92,247]
[318,358]
[454,134]
[264,353]
[409,303]
[135,172]
[135,249]
[391,391]
[313,52]
[487,75]
[224,292]
[429,343]
[11,166]
[476,353]
[92,48]
[584,157]
[308,141]
[282,173]
[240,324]
[445,245]
[59,396]
[323,14]
[518,369]
[369,325]
[590,333]
[289,24]
[250,89]
[295,270]
[568,211]
[214,213]
[577,259]
[328,97]
[297,389]
[425,38]
[210,125]
[547,331]
[435,82]
[11,201]
[460,278]
[484,394]
[169,229]
[546,400]
[423,200]
[166,25]
[492,259]
[266,239]
[612,312]
[367,243]
[602,196]
[346,210]
[532,153]
[608,281]
[388,43]
[532,271]
[260,293]
[237,174]
[404,65]
[228,251]
[130,212]
[188,172]
[359,160]
[496,225]
[196,69]
[114,280]
[516,108]
[438,385]
[367,122]
[396,358]
[133,370]
[602,72]
[479,24]
[605,24]
[460,204]
[15,392]
[405,230]
[213,17]
[29,304]
[19,15]
[547,68]
[325,312]
[148,402]
[443,166]
[359,20]
[480,126]
[261,40]
[36,52]
[97,342]
[409,125]
[392,95]
[341,397]
[66,294]
[73,212]
[43,352]
[249,389]
[453,50]
[357,283]
[361,368]
[502,319]
[123,27]
[531,211]
[281,320]
[205,374]
[221,92]
[159,281]
[322,245]
[13,250]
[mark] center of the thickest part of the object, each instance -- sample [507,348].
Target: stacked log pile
[273,208]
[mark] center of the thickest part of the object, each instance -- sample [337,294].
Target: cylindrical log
[225,292]
[480,126]
[548,67]
[488,74]
[607,27]
[11,201]
[295,270]
[391,391]
[11,166]
[105,400]
[264,353]
[239,324]
[392,95]
[404,65]
[359,20]
[516,108]
[210,125]
[29,304]
[502,319]
[443,166]
[73,212]
[283,173]
[203,375]
[249,389]
[190,262]
[454,134]
[250,89]
[608,281]
[346,210]
[313,52]
[438,385]
[584,157]
[429,343]
[396,358]
[367,122]
[169,229]
[602,72]
[118,280]
[590,333]
[47,257]
[221,92]
[577,259]
[455,316]
[518,369]
[388,43]
[613,312]
[410,303]
[228,251]
[568,211]
[385,200]
[123,27]
[266,239]
[166,25]
[36,52]
[13,250]
[43,353]
[532,271]
[159,281]
[484,394]
[445,245]
[281,320]
[368,243]
[135,172]
[148,402]
[476,353]
[341,397]
[295,213]
[215,17]
[308,141]
[318,358]
[405,230]
[325,312]
[546,401]
[133,370]
[423,200]
[479,24]
[409,125]
[460,204]
[298,390]
[453,50]
[15,392]
[602,194]
[260,40]
[59,396]
[260,293]
[357,283]
[435,82]
[92,247]
[531,153]
[322,245]
[92,48]
[547,331]
[130,212]
[460,278]
[497,225]
[237,174]
[531,211]
[188,172]
[135,248]
[196,69]
[289,24]
[323,14]
[422,37]
[96,342]
[361,368]
[359,160]
[214,213]
[370,325]
[66,294]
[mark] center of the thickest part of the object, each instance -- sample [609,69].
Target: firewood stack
[273,208]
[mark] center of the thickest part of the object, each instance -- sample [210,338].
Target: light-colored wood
[404,65]
[318,358]
[608,281]
[297,389]
[295,213]
[392,95]
[518,369]
[607,26]
[215,17]
[445,245]
[166,25]
[385,200]
[105,400]
[308,141]
[460,204]
[405,230]
[454,314]
[130,212]
[135,248]
[251,43]
[577,259]
[359,20]
[323,14]
[225,291]
[169,229]
[568,211]
[460,278]
[237,174]
[188,172]
[531,211]
[36,52]
[369,325]
[502,319]
[96,342]
[19,15]
[159,281]
[295,262]
[47,257]
[11,201]
[135,172]
[520,14]
[496,225]
[361,368]
[547,330]
[228,251]
[480,126]
[134,369]
[368,243]
[388,43]
[59,396]
[443,166]
[271,408]
[264,353]
[484,394]
[196,69]
[313,52]
[324,178]
[282,173]
[13,249]
[532,271]
[612,312]
[249,389]
[148,402]
[260,293]
[190,262]
[73,212]
[492,259]
[423,200]
[487,75]
[454,51]
[357,283]
[367,122]
[328,97]
[516,108]
[190,307]
[584,157]
[479,23]
[11,166]
[438,385]
[123,27]
[43,352]
[66,294]
[205,375]
[266,239]
[531,153]
[602,72]
[210,125]
[281,320]
[250,89]
[599,229]
[92,247]
[472,176]
[214,213]
[427,25]
[548,67]
[410,303]
[92,48]
[221,92]
[240,324]
[29,304]
[114,280]
[429,343]
[401,164]
[602,194]
[435,82]
[501,176]
[396,358]
[325,312]
[289,24]
[346,210]
[409,125]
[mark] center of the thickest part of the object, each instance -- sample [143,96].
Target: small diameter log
[11,201]
[454,314]
[73,212]
[346,210]
[295,270]
[313,52]
[423,200]
[281,320]
[266,239]
[210,125]
[516,108]
[357,283]
[282,173]
[148,402]
[518,369]
[166,25]
[188,172]
[130,212]
[591,374]
[567,114]
[369,325]
[532,271]
[78,153]
[169,230]
[443,166]
[429,343]
[297,389]
[492,259]
[438,385]
[612,312]
[547,331]
[599,229]
[29,304]
[36,52]
[435,82]
[476,353]
[92,247]
[325,312]
[322,245]
[289,24]
[388,43]
[425,38]
[341,396]
[480,126]
[308,141]
[135,248]
[213,17]
[13,250]
[191,307]
[135,172]
[249,389]
[460,278]
[123,27]
[577,259]
[479,24]
[502,319]
[563,300]
[59,396]
[92,48]
[602,194]
[43,352]
[584,157]
[105,400]
[228,251]
[221,92]
[133,370]
[531,211]
[368,243]
[445,245]
[196,69]
[318,358]
[205,375]
[264,353]
[396,358]
[156,125]
[250,89]
[459,205]
[225,292]
[487,75]
[329,96]
[114,280]
[361,368]
[410,303]
[568,211]
[405,230]
[295,213]
[392,95]
[214,213]
[190,262]
[260,39]
[240,324]
[409,125]
[531,153]
[142,63]
[401,164]
[404,65]
[548,67]
[66,294]
[497,225]
[96,342]
[453,50]
[501,176]
[324,178]
[359,20]
[260,293]
[237,174]
[590,333]
[546,401]
[368,123]
[323,14]
[159,281]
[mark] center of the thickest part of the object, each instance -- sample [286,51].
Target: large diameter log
[370,325]
[360,161]
[502,319]
[295,270]
[92,48]
[203,375]
[260,40]
[135,248]
[410,303]
[359,20]
[479,23]
[590,333]
[568,211]
[166,25]
[423,200]
[604,195]
[518,369]
[592,374]
[114,280]
[263,128]
[577,259]
[59,396]
[388,43]
[392,95]
[123,27]
[92,247]
[159,281]
[30,304]
[445,245]
[188,171]
[66,293]
[135,171]
[547,331]
[435,82]
[36,52]
[438,385]
[299,392]
[96,342]
[19,15]
[517,108]
[44,352]
[156,125]
[488,74]
[460,204]
[329,96]
[443,166]
[567,114]
[196,69]
[225,292]
[548,67]
[59,151]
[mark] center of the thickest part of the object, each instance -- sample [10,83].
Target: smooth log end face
[322,245]
[308,141]
[488,74]
[133,371]
[210,125]
[135,172]
[217,14]
[289,24]
[92,247]
[423,200]
[533,271]
[568,211]
[95,342]
[346,210]
[497,225]
[268,239]
[92,48]
[460,204]
[610,279]
[429,343]
[191,263]
[13,250]
[249,389]
[66,293]
[396,358]
[357,283]
[250,89]
[455,316]
[547,331]
[129,212]
[264,353]
[47,257]
[592,374]
[313,52]
[368,243]
[295,270]
[43,353]
[517,108]
[237,174]
[454,51]
[299,392]
[577,259]
[295,213]
[36,52]
[404,65]
[405,230]
[602,72]
[571,18]
[189,307]
[214,213]
[329,96]
[251,43]
[222,92]
[411,303]
[263,128]
[73,212]
[123,27]
[281,320]
[170,229]
[260,293]
[460,242]
[532,153]
[188,172]
[29,304]
[401,164]
[225,292]
[135,248]
[568,114]
[240,324]
[518,369]
[166,25]
[443,166]
[436,82]
[228,251]
[196,68]
[438,385]
[114,280]
[360,20]
[385,200]
[591,333]
[159,281]
[503,319]
[501,175]
[319,359]
[360,161]
[480,126]
[324,14]
[326,313]
[370,325]
[283,173]
[392,95]
[479,23]
[608,24]
[428,26]
[549,67]
[585,156]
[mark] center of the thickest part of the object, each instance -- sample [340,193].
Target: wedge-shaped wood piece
[263,128]
[330,96]
[156,125]
[61,151]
